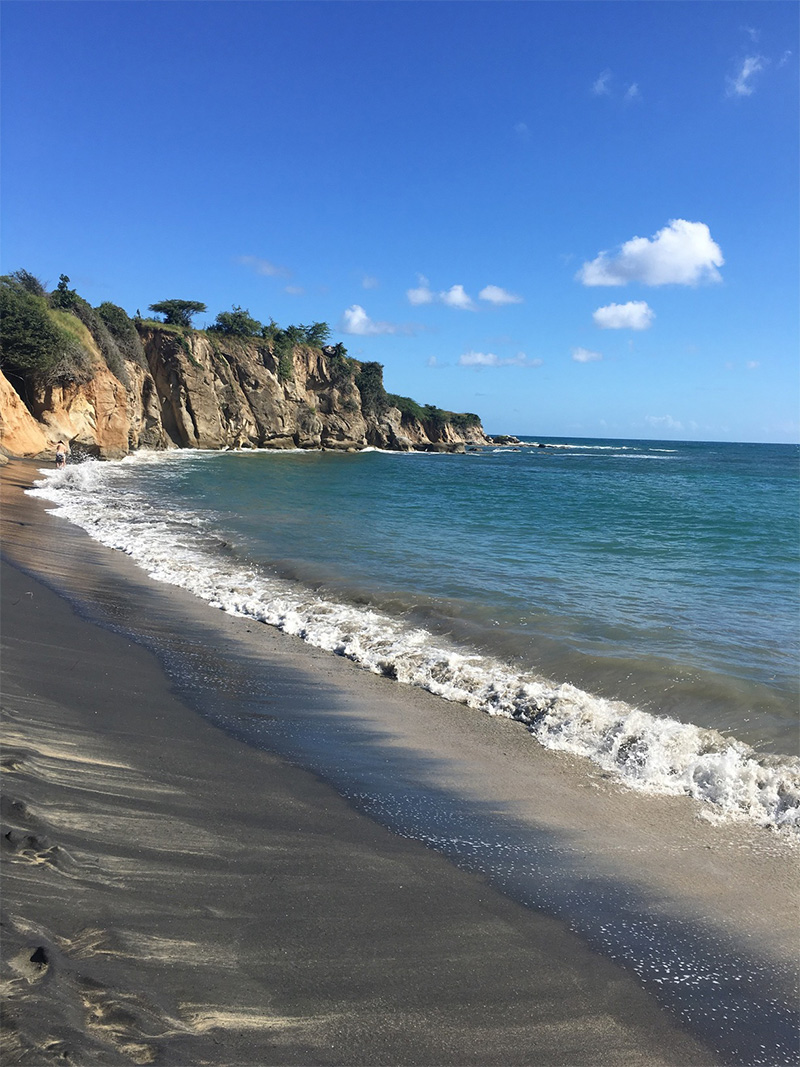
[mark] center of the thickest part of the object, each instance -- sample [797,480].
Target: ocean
[634,603]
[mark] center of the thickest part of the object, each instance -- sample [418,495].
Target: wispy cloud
[294,290]
[741,83]
[493,294]
[682,253]
[263,266]
[585,355]
[601,86]
[368,282]
[489,359]
[522,131]
[635,315]
[606,85]
[663,422]
[356,321]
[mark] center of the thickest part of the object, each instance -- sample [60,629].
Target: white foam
[644,751]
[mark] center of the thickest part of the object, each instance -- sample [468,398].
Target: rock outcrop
[199,390]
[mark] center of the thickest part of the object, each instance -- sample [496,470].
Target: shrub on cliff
[369,379]
[35,347]
[237,323]
[122,329]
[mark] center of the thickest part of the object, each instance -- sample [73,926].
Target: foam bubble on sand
[644,751]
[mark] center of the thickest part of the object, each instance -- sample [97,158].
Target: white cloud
[495,295]
[600,86]
[368,282]
[356,321]
[663,422]
[489,359]
[294,290]
[455,297]
[635,315]
[632,92]
[752,364]
[740,85]
[262,266]
[422,294]
[585,355]
[683,253]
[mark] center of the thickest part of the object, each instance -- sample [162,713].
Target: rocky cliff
[198,390]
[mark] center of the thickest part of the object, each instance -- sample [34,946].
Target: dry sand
[172,894]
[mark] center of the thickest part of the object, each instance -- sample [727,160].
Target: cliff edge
[150,385]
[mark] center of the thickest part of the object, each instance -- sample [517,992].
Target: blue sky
[575,219]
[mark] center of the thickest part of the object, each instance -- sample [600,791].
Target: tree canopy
[237,323]
[177,312]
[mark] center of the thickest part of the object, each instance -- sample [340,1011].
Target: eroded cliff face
[199,391]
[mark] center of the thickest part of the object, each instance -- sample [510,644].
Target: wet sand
[177,890]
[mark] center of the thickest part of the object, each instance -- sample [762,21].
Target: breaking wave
[643,751]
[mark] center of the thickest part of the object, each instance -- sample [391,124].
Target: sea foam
[641,750]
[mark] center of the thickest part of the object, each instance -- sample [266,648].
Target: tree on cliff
[177,312]
[237,323]
[317,334]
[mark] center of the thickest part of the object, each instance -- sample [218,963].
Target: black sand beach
[176,892]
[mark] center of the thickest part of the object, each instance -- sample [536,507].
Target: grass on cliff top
[76,330]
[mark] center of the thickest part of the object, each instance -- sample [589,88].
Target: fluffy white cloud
[422,294]
[584,355]
[635,315]
[456,297]
[495,295]
[356,321]
[741,84]
[489,359]
[683,253]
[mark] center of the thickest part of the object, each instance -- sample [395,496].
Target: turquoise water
[552,584]
[625,568]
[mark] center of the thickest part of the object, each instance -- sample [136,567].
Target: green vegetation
[237,323]
[124,332]
[430,416]
[54,338]
[369,379]
[36,347]
[177,312]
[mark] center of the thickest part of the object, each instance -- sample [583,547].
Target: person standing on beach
[61,455]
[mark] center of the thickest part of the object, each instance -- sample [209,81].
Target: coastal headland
[107,384]
[178,889]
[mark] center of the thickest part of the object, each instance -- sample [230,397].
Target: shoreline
[596,1011]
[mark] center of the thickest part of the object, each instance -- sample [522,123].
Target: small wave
[644,751]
